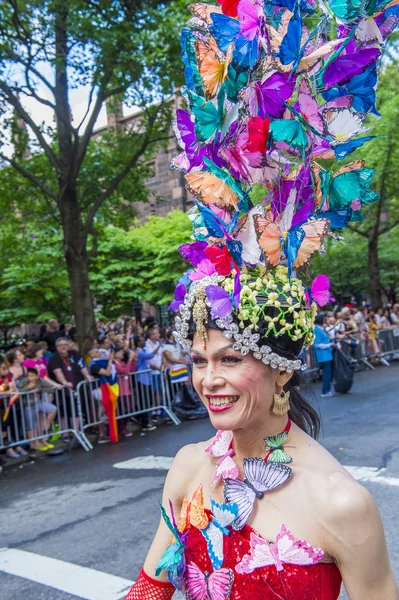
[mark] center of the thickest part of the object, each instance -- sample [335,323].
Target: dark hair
[301,411]
[319,318]
[12,355]
[31,352]
[32,370]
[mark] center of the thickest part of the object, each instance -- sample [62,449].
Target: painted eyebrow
[216,353]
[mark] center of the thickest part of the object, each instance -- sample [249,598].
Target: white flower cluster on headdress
[241,325]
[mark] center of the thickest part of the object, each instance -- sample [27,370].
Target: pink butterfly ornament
[204,268]
[286,550]
[202,586]
[221,448]
[320,290]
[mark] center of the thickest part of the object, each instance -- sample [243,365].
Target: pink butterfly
[286,550]
[221,448]
[320,291]
[202,586]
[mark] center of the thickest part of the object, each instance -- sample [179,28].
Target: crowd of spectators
[47,371]
[348,328]
[49,366]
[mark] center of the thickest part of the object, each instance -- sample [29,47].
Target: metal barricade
[388,340]
[35,416]
[308,357]
[142,392]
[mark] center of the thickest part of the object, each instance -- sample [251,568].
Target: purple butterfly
[194,252]
[268,97]
[260,477]
[341,70]
[180,294]
[221,305]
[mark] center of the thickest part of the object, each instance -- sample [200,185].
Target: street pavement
[79,525]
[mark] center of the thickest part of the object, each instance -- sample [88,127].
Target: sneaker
[126,433]
[103,440]
[328,395]
[149,427]
[21,451]
[10,453]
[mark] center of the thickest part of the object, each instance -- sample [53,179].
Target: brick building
[166,186]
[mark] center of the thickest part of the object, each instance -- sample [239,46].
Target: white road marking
[371,474]
[82,582]
[146,462]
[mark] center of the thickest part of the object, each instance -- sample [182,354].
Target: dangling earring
[281,404]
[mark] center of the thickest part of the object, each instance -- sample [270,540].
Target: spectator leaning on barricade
[52,334]
[144,382]
[39,411]
[34,359]
[324,355]
[125,363]
[68,368]
[9,424]
[154,345]
[372,331]
[15,359]
[175,360]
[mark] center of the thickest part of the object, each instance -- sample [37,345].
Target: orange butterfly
[193,513]
[204,11]
[302,241]
[209,189]
[213,65]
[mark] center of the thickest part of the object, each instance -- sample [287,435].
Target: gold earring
[281,404]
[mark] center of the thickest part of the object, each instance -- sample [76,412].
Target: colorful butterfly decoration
[273,91]
[173,560]
[221,448]
[286,550]
[193,513]
[223,515]
[208,586]
[260,477]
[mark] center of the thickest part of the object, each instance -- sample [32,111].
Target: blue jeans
[326,376]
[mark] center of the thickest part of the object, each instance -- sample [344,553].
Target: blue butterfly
[361,88]
[343,150]
[223,516]
[215,225]
[173,560]
[226,30]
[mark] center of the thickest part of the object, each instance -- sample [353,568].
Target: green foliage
[141,263]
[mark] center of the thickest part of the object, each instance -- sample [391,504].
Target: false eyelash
[197,360]
[235,359]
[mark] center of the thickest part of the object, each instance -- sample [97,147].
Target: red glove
[147,588]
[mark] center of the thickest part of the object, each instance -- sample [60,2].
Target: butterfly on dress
[275,449]
[221,448]
[223,516]
[205,586]
[260,477]
[173,560]
[286,550]
[193,513]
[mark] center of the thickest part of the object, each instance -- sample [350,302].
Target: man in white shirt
[155,364]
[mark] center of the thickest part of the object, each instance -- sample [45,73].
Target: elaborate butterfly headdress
[277,92]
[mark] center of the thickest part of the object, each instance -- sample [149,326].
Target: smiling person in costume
[262,511]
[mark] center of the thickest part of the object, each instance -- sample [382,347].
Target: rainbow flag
[178,375]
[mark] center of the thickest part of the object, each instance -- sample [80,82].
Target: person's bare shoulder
[188,462]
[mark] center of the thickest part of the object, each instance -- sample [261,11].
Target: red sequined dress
[321,581]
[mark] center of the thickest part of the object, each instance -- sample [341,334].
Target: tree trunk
[77,263]
[374,273]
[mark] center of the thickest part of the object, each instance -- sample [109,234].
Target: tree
[141,263]
[114,50]
[382,154]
